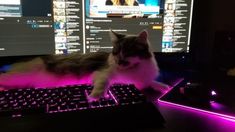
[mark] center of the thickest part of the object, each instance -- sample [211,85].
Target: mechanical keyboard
[125,106]
[18,102]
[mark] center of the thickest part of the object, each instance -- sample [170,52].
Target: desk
[184,120]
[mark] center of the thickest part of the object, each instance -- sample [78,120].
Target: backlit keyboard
[18,102]
[67,109]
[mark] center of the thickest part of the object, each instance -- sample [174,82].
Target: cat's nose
[123,63]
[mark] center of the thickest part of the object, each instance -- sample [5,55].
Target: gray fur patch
[76,63]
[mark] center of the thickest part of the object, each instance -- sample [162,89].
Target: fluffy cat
[131,61]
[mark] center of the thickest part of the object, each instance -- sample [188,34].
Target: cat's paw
[92,98]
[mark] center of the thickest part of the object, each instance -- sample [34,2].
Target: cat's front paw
[91,98]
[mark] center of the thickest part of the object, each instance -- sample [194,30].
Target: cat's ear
[115,36]
[143,36]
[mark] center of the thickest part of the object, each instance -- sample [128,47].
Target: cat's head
[130,50]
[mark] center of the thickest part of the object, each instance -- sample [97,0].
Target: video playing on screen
[123,9]
[41,27]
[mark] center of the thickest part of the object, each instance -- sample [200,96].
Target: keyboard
[125,103]
[18,102]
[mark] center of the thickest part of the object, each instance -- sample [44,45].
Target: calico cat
[131,61]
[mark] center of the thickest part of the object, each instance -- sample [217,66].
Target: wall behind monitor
[211,17]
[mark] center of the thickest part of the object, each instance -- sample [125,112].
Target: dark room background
[213,34]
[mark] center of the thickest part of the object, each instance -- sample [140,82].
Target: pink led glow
[213,93]
[214,104]
[218,123]
[175,84]
[41,80]
[111,94]
[45,80]
[196,109]
[228,119]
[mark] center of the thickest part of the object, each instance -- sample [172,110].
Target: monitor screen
[41,27]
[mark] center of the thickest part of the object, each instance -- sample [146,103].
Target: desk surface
[183,120]
[177,120]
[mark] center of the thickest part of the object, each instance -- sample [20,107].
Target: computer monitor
[42,27]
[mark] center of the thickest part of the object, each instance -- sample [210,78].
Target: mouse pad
[214,96]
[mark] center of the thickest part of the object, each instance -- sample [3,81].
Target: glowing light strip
[177,83]
[113,97]
[224,116]
[230,118]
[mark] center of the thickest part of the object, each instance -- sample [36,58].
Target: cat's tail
[31,78]
[35,73]
[40,79]
[14,80]
[20,74]
[35,64]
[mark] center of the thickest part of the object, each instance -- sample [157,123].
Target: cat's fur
[231,72]
[131,61]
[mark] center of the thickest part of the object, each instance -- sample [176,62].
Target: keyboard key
[72,105]
[95,104]
[53,107]
[104,103]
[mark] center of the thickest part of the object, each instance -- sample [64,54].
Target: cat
[131,61]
